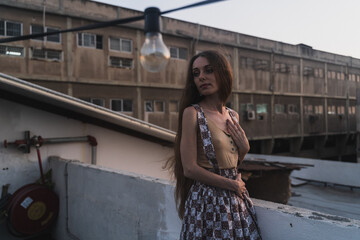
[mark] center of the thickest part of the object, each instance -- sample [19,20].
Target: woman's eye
[209,70]
[196,74]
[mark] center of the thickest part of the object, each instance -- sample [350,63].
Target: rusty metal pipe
[38,141]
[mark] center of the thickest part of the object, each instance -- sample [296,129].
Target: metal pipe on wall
[38,141]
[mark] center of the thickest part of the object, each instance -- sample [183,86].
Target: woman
[211,197]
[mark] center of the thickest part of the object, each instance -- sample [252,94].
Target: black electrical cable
[100,25]
[192,5]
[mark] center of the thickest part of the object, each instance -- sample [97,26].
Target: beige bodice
[225,149]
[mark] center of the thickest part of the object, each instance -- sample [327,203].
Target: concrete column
[326,101]
[138,76]
[267,146]
[301,110]
[341,144]
[69,52]
[320,144]
[357,113]
[139,104]
[347,82]
[138,64]
[295,145]
[236,79]
[272,89]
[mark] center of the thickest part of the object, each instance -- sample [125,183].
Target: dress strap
[206,138]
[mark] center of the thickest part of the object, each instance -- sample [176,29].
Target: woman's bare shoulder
[190,111]
[189,115]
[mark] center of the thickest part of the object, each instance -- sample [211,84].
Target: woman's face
[204,77]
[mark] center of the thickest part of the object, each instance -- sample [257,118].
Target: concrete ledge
[101,203]
[323,170]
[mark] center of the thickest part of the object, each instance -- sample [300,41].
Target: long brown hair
[224,79]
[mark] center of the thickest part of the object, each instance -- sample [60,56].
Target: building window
[121,62]
[282,68]
[159,106]
[90,40]
[340,110]
[352,77]
[292,109]
[333,74]
[262,65]
[119,44]
[10,29]
[11,51]
[308,71]
[331,110]
[261,108]
[46,54]
[319,73]
[173,106]
[319,109]
[279,108]
[178,53]
[308,109]
[98,101]
[155,106]
[121,105]
[352,110]
[35,29]
[149,106]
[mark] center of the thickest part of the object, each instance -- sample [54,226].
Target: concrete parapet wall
[323,170]
[101,203]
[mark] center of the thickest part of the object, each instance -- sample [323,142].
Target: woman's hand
[239,186]
[239,137]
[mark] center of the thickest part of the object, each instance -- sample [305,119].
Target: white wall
[115,150]
[108,204]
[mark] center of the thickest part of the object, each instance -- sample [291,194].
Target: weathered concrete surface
[109,204]
[340,201]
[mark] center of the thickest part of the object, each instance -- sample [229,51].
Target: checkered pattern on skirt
[218,214]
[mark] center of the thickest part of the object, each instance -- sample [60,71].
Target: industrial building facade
[291,99]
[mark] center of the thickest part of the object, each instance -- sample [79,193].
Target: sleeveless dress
[216,213]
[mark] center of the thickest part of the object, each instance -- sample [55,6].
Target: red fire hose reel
[31,210]
[33,207]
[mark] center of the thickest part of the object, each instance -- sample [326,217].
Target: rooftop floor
[331,199]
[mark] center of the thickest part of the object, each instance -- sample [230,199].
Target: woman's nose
[201,75]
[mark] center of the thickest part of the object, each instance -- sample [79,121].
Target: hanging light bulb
[154,53]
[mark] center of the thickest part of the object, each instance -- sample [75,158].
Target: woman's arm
[239,136]
[188,151]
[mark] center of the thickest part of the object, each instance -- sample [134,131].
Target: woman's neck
[212,104]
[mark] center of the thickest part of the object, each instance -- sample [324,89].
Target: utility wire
[101,24]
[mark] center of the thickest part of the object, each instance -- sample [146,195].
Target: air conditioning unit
[313,118]
[250,115]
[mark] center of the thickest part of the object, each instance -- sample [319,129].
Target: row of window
[264,65]
[126,105]
[262,108]
[90,40]
[51,54]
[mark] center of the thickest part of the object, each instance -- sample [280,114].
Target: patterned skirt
[215,213]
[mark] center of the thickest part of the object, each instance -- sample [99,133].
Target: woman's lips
[205,85]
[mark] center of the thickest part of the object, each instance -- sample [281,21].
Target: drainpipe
[38,141]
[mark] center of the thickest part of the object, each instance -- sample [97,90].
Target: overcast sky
[326,25]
